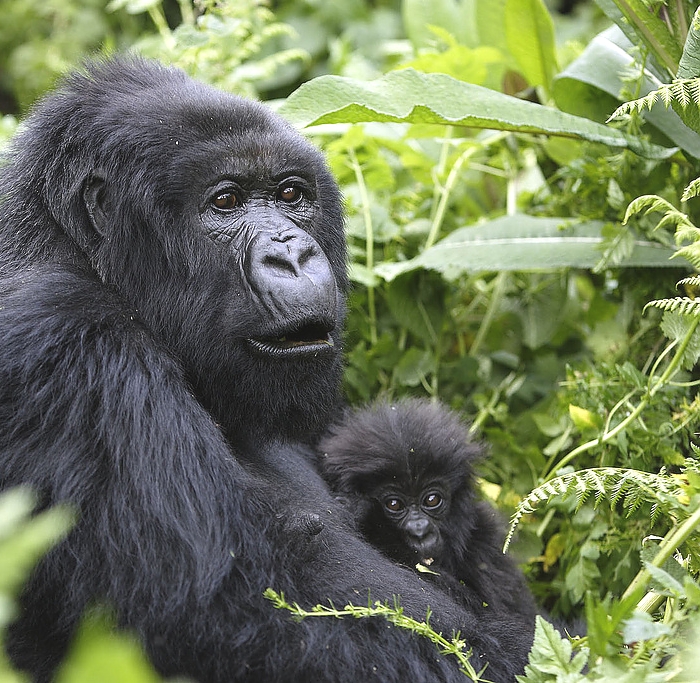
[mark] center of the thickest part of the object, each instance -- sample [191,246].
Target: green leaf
[689,66]
[408,96]
[101,654]
[523,243]
[584,419]
[490,20]
[414,365]
[551,655]
[530,37]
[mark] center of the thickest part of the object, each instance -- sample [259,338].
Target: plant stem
[158,18]
[496,297]
[452,181]
[369,242]
[186,12]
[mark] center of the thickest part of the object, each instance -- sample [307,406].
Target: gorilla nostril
[281,264]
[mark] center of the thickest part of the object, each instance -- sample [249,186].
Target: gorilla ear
[94,200]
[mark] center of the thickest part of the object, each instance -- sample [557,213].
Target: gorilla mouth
[308,339]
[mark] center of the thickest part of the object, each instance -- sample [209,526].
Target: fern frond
[692,190]
[693,281]
[685,92]
[630,488]
[679,304]
[691,253]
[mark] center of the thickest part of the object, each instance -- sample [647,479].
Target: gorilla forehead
[124,110]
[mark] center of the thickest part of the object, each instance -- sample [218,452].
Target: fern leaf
[693,281]
[690,253]
[648,203]
[679,304]
[684,92]
[631,488]
[691,191]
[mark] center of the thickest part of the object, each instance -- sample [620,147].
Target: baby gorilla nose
[417,526]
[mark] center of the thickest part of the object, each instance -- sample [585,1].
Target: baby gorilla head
[405,471]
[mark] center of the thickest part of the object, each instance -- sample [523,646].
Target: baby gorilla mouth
[307,339]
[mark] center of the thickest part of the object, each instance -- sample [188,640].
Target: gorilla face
[265,226]
[223,229]
[410,515]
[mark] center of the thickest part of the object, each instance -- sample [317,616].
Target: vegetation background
[514,254]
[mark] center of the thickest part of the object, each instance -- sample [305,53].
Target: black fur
[402,450]
[172,282]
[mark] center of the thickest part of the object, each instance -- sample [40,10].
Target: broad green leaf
[408,96]
[530,37]
[591,86]
[524,243]
[689,66]
[101,654]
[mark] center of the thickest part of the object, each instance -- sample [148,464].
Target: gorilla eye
[289,194]
[225,201]
[394,504]
[432,501]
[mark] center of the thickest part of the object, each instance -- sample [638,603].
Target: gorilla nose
[291,275]
[293,255]
[418,527]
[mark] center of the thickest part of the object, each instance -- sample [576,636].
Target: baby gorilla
[405,472]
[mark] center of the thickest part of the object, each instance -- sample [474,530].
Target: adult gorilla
[172,278]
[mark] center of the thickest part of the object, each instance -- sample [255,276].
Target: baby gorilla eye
[289,194]
[432,501]
[225,201]
[394,504]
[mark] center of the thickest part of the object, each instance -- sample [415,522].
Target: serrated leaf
[692,190]
[551,654]
[407,96]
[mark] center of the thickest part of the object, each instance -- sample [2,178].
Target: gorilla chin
[172,293]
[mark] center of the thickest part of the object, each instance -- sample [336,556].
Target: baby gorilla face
[417,517]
